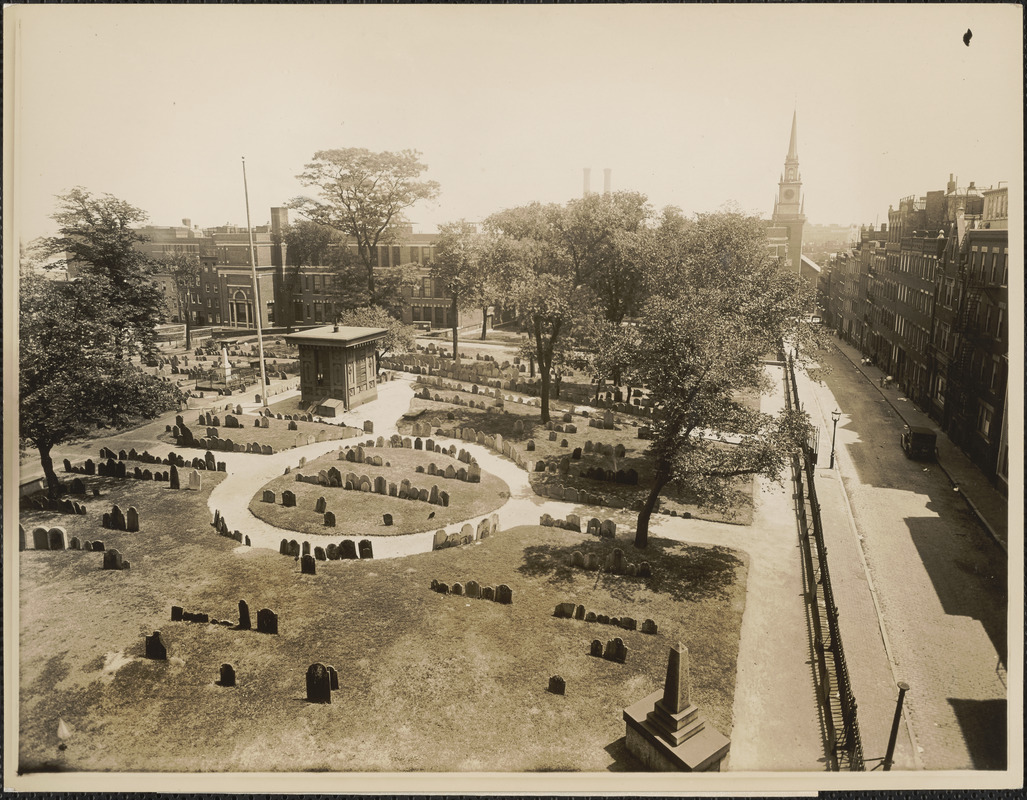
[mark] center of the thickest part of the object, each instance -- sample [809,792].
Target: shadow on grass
[681,571]
[623,760]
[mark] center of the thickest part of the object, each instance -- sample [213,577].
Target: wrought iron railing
[831,674]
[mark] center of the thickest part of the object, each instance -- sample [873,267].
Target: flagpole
[256,290]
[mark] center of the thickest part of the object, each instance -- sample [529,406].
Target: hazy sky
[691,105]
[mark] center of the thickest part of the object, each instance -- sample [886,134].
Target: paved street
[936,578]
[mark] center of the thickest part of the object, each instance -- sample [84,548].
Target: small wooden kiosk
[337,367]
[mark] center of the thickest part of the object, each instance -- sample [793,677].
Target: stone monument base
[703,751]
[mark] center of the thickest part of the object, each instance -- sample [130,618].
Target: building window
[984,415]
[297,310]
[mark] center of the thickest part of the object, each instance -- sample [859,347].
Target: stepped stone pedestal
[667,733]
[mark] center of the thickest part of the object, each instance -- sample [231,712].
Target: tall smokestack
[588,178]
[606,180]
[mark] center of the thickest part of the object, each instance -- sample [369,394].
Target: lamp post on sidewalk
[835,416]
[903,688]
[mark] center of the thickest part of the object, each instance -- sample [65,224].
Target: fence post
[903,688]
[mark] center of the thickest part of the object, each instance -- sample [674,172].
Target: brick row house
[926,298]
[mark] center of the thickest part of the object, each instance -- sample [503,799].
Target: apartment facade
[926,298]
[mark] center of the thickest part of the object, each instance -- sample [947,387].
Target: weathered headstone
[244,616]
[348,549]
[112,560]
[132,519]
[329,519]
[40,539]
[365,548]
[226,675]
[557,685]
[504,594]
[56,538]
[195,482]
[288,499]
[319,684]
[155,647]
[267,621]
[596,649]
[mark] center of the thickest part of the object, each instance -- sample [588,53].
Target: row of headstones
[347,549]
[172,459]
[607,529]
[221,526]
[45,503]
[114,466]
[624,477]
[606,423]
[229,446]
[267,620]
[470,474]
[570,494]
[118,520]
[615,563]
[572,611]
[456,400]
[405,490]
[501,594]
[468,533]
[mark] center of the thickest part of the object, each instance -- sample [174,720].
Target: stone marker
[596,649]
[195,482]
[387,519]
[267,621]
[333,677]
[244,616]
[557,685]
[365,549]
[348,549]
[319,684]
[155,648]
[40,539]
[56,538]
[226,676]
[649,627]
[308,565]
[504,594]
[565,610]
[329,519]
[112,560]
[132,519]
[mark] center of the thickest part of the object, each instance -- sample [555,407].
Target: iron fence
[834,689]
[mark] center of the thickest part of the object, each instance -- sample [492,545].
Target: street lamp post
[835,416]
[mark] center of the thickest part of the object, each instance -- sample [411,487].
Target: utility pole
[256,290]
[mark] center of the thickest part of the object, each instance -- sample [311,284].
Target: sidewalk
[987,503]
[863,632]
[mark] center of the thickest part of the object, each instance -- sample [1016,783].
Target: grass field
[359,513]
[626,433]
[427,681]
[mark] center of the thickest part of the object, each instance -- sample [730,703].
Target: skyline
[690,105]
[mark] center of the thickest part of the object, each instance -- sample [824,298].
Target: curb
[955,484]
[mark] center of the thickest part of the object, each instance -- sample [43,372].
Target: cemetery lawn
[276,434]
[740,508]
[360,513]
[428,682]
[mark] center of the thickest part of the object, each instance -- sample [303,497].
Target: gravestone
[557,685]
[596,649]
[267,621]
[577,559]
[155,647]
[365,548]
[648,626]
[387,520]
[617,561]
[56,538]
[320,505]
[268,496]
[504,594]
[579,612]
[319,684]
[473,589]
[226,676]
[288,499]
[40,539]
[306,549]
[176,614]
[333,676]
[73,544]
[194,480]
[98,546]
[244,616]
[319,554]
[608,529]
[329,519]
[112,560]
[458,588]
[348,549]
[332,551]
[117,519]
[564,610]
[132,519]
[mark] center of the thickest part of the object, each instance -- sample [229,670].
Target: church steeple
[793,150]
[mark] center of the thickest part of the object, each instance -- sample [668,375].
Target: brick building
[926,298]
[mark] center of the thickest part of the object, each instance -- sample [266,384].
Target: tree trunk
[188,332]
[531,366]
[544,375]
[642,529]
[53,483]
[456,329]
[484,323]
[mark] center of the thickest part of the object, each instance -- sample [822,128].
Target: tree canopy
[363,195]
[96,238]
[699,346]
[72,378]
[399,339]
[185,270]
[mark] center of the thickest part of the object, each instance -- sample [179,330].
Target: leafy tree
[71,377]
[699,345]
[543,282]
[454,266]
[600,348]
[184,270]
[308,244]
[363,195]
[399,339]
[96,238]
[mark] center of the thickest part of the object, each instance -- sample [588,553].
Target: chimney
[588,181]
[606,180]
[187,223]
[951,187]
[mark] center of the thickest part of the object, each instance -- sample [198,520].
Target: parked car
[919,442]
